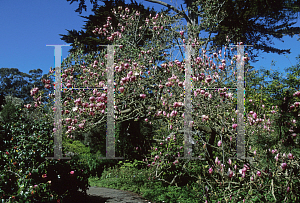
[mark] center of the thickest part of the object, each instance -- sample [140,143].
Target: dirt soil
[103,195]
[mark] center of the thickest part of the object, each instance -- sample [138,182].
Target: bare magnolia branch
[173,8]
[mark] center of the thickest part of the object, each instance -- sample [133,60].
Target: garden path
[103,195]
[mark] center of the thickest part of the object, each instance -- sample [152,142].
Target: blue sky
[26,28]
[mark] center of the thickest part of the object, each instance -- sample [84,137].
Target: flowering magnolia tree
[141,69]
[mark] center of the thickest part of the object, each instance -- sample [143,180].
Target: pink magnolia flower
[191,123]
[210,170]
[68,120]
[121,89]
[27,106]
[234,126]
[219,143]
[230,173]
[216,160]
[71,172]
[276,157]
[143,96]
[283,166]
[34,91]
[254,115]
[221,67]
[290,156]
[258,173]
[47,86]
[229,161]
[44,176]
[243,175]
[296,94]
[208,79]
[181,32]
[204,118]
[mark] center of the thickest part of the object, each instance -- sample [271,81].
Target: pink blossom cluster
[34,91]
[205,118]
[296,94]
[47,83]
[202,92]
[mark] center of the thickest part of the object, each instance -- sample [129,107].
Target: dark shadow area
[79,197]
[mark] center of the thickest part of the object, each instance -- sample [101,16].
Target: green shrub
[25,173]
[8,113]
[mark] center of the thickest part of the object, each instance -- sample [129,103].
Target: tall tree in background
[18,84]
[248,21]
[251,22]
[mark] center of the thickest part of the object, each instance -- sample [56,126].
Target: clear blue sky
[27,26]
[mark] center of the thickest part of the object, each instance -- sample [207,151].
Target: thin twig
[173,8]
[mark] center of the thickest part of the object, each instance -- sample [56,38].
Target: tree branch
[173,8]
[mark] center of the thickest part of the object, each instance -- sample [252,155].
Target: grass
[135,180]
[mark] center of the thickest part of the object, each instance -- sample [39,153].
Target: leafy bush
[26,174]
[8,112]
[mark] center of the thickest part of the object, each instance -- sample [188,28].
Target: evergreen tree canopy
[18,84]
[88,38]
